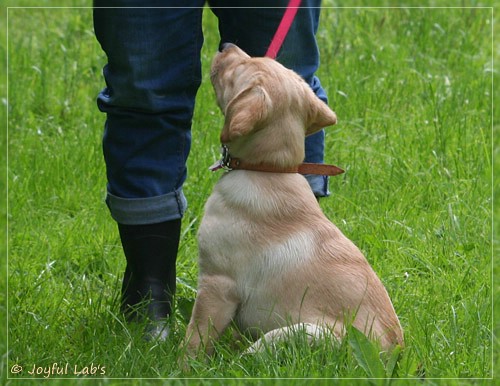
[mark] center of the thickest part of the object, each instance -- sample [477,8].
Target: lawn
[413,91]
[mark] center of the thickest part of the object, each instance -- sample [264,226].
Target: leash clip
[226,158]
[224,162]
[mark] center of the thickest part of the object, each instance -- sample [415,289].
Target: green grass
[413,92]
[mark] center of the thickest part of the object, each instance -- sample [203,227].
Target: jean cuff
[151,210]
[319,185]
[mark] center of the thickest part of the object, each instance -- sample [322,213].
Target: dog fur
[268,257]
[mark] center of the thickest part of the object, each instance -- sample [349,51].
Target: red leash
[283,28]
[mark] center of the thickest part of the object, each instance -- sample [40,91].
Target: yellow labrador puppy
[269,259]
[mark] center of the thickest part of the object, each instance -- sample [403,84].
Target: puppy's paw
[184,363]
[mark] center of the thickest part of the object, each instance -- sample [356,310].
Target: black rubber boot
[149,280]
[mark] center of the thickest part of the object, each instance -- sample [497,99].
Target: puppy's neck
[280,144]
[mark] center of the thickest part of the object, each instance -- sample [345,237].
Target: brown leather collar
[304,168]
[228,163]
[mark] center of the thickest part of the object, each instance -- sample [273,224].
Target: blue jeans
[152,76]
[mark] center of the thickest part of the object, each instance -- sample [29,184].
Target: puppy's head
[259,93]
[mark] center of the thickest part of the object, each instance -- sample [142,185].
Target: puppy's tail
[312,333]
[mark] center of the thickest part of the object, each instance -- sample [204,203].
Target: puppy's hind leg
[312,333]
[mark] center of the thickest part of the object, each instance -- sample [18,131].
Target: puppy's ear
[245,112]
[319,115]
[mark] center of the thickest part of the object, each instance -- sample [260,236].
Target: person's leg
[152,75]
[252,27]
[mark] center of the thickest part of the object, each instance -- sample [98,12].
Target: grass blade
[366,354]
